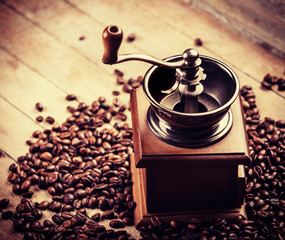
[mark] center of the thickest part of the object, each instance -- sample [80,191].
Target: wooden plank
[261,21]
[64,23]
[21,89]
[54,60]
[24,87]
[15,129]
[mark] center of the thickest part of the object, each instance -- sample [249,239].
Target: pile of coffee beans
[269,80]
[84,164]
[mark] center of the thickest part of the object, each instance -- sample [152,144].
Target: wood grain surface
[49,49]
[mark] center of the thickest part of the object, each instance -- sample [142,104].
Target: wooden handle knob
[112,37]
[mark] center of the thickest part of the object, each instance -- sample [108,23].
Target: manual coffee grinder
[189,137]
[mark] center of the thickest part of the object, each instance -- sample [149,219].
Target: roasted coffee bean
[80,193]
[198,42]
[118,73]
[120,80]
[108,215]
[70,97]
[57,198]
[68,198]
[57,219]
[36,225]
[126,88]
[37,213]
[4,203]
[80,218]
[73,181]
[116,93]
[39,107]
[116,223]
[27,227]
[48,223]
[96,217]
[25,186]
[77,203]
[66,215]
[39,118]
[18,225]
[67,208]
[51,190]
[55,206]
[28,194]
[49,119]
[128,221]
[7,214]
[131,37]
[280,123]
[43,205]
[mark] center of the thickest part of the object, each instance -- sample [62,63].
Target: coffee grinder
[189,137]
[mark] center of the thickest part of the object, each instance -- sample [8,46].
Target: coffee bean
[70,97]
[120,80]
[68,198]
[25,185]
[57,219]
[80,193]
[96,217]
[108,215]
[73,181]
[47,156]
[126,88]
[39,107]
[43,205]
[155,221]
[67,208]
[4,203]
[116,93]
[118,73]
[49,119]
[39,118]
[280,123]
[281,85]
[128,221]
[131,37]
[77,203]
[55,206]
[80,218]
[7,214]
[37,213]
[198,42]
[36,225]
[116,224]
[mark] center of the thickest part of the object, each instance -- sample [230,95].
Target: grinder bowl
[221,88]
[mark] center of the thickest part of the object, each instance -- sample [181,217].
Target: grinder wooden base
[179,183]
[142,217]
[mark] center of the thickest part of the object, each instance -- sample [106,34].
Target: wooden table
[49,49]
